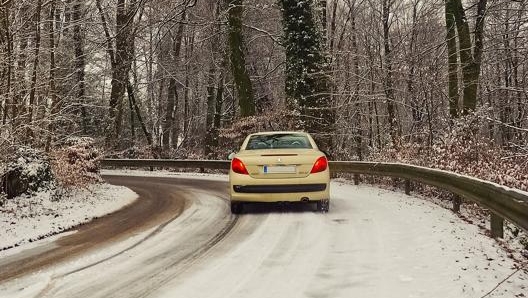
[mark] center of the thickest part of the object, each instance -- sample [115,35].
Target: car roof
[277,132]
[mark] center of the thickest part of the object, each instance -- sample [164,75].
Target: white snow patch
[165,174]
[26,219]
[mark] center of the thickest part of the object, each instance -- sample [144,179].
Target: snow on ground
[25,219]
[515,239]
[166,174]
[372,243]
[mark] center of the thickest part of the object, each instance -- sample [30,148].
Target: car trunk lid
[281,163]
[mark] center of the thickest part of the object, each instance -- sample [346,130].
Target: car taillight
[238,166]
[320,165]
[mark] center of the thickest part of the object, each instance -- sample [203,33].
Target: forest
[438,83]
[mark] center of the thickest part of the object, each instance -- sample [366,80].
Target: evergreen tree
[306,83]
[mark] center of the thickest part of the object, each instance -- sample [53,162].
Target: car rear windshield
[279,141]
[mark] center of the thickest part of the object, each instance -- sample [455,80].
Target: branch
[109,45]
[4,3]
[504,280]
[265,32]
[504,124]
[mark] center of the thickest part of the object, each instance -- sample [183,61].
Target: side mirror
[231,155]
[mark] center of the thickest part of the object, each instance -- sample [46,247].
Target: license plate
[279,169]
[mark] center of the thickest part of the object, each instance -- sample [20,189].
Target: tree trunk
[132,122]
[186,102]
[137,112]
[389,89]
[357,121]
[521,104]
[246,100]
[470,57]
[80,62]
[119,72]
[188,49]
[53,108]
[452,59]
[19,86]
[411,93]
[122,63]
[6,44]
[168,120]
[170,127]
[324,21]
[211,78]
[33,88]
[217,119]
[209,117]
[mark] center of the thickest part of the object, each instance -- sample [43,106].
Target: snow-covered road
[372,243]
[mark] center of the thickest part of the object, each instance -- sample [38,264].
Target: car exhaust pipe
[305,199]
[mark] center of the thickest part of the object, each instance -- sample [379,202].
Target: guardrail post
[497,226]
[457,201]
[356,179]
[407,187]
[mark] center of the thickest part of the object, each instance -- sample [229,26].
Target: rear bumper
[315,187]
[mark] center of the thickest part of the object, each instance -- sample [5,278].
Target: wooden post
[356,179]
[497,226]
[456,203]
[407,187]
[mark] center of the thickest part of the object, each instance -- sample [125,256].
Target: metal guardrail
[503,202]
[167,163]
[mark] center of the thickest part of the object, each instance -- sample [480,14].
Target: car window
[279,141]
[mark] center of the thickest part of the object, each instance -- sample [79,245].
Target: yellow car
[279,167]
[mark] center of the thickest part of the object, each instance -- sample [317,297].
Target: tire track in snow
[166,262]
[373,243]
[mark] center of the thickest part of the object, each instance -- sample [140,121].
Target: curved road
[156,206]
[180,240]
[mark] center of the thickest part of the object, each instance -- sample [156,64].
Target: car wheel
[323,205]
[236,207]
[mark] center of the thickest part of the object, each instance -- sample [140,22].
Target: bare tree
[120,52]
[470,52]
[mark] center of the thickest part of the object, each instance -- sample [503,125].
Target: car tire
[323,205]
[236,207]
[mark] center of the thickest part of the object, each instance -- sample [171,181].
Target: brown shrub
[464,151]
[76,163]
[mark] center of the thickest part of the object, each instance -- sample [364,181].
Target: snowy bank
[165,174]
[26,219]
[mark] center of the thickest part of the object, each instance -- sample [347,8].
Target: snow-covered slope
[373,243]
